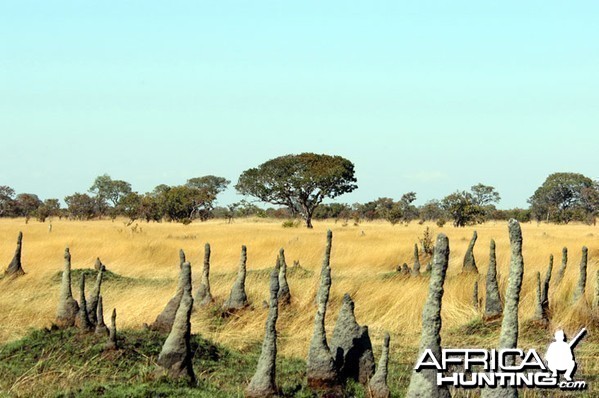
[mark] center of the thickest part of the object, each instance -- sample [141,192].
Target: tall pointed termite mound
[508,337]
[545,289]
[284,293]
[475,303]
[181,257]
[263,383]
[92,302]
[582,279]
[176,355]
[493,306]
[238,298]
[164,321]
[15,267]
[112,343]
[66,315]
[596,296]
[320,366]
[98,264]
[405,270]
[351,345]
[203,295]
[562,268]
[101,327]
[84,322]
[423,383]
[429,267]
[378,387]
[539,315]
[416,269]
[469,264]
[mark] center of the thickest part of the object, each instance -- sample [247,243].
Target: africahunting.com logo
[507,367]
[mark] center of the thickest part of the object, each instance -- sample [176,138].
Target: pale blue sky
[427,96]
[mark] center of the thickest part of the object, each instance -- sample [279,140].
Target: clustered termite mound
[88,313]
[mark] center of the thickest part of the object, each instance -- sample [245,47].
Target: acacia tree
[300,182]
[484,195]
[563,196]
[130,206]
[461,206]
[401,211]
[432,210]
[7,201]
[80,206]
[207,189]
[471,207]
[27,204]
[50,208]
[213,185]
[107,189]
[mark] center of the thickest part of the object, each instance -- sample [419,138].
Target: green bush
[291,224]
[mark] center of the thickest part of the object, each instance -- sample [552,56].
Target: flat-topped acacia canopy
[300,182]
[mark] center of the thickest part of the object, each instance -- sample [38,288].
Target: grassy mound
[65,363]
[109,277]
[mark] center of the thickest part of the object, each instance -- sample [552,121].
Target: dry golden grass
[361,257]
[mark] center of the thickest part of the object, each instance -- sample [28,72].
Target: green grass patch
[65,363]
[109,277]
[297,272]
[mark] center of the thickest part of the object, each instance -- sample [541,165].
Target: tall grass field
[143,262]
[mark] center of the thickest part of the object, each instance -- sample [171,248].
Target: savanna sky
[428,97]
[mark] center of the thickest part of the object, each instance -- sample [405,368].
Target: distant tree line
[298,185]
[113,198]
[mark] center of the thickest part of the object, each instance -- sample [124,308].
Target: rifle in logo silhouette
[560,354]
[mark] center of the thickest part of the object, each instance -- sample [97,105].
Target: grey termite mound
[493,306]
[203,294]
[469,264]
[175,356]
[164,321]
[238,298]
[545,289]
[101,327]
[92,302]
[539,314]
[582,278]
[423,384]
[263,383]
[84,322]
[351,345]
[321,371]
[508,338]
[66,314]
[112,343]
[562,268]
[15,268]
[416,268]
[378,387]
[284,292]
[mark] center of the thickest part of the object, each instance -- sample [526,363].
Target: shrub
[426,242]
[291,224]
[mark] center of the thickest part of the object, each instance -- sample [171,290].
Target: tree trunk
[309,221]
[307,214]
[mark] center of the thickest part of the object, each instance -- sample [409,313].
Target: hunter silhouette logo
[560,355]
[512,367]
